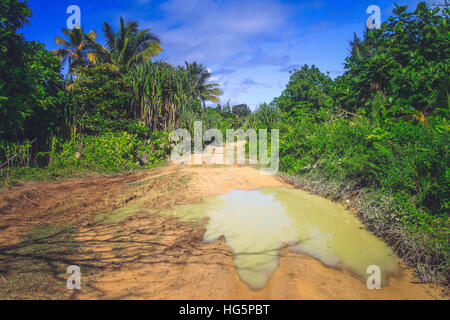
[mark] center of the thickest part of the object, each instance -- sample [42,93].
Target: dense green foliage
[308,89]
[31,93]
[98,92]
[406,159]
[407,59]
[110,151]
[380,129]
[395,140]
[115,96]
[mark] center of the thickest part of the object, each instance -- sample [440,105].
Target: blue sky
[249,46]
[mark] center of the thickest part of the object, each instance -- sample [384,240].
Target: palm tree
[79,48]
[128,46]
[163,96]
[200,76]
[210,92]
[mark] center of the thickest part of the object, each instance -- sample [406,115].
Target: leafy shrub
[110,151]
[407,58]
[99,91]
[97,124]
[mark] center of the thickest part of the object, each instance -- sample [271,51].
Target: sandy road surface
[131,254]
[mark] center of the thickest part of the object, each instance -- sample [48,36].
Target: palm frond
[109,35]
[62,42]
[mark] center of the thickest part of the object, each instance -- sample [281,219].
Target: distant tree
[241,110]
[266,116]
[308,88]
[226,109]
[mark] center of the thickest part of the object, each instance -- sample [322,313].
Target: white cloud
[248,44]
[224,36]
[219,32]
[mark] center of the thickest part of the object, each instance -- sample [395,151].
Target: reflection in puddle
[257,223]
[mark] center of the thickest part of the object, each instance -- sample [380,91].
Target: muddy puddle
[257,223]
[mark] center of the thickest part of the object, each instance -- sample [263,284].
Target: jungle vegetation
[378,134]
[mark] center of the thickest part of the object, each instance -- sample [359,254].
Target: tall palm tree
[78,49]
[128,46]
[200,76]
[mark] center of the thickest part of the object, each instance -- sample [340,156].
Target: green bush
[99,91]
[110,151]
[408,158]
[97,124]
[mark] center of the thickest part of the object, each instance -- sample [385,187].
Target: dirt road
[125,252]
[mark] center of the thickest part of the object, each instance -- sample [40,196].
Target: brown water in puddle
[257,223]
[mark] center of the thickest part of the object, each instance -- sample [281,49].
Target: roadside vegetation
[379,134]
[376,136]
[112,112]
